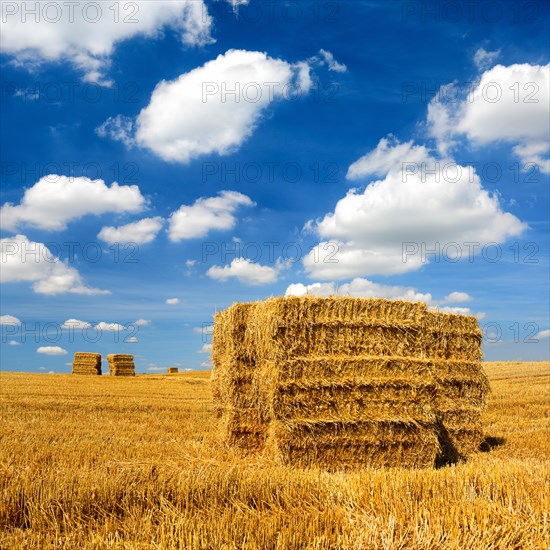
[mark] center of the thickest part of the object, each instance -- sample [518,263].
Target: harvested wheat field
[101,462]
[343,382]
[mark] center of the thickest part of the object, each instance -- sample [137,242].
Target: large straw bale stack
[121,364]
[340,381]
[87,363]
[173,370]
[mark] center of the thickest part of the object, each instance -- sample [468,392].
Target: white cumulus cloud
[206,214]
[543,334]
[509,104]
[244,271]
[55,200]
[141,232]
[9,320]
[213,108]
[51,350]
[172,301]
[86,33]
[142,322]
[457,298]
[419,204]
[75,324]
[109,327]
[25,260]
[360,288]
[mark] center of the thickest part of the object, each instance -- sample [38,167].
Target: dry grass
[102,462]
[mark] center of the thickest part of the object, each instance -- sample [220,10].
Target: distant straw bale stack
[121,364]
[87,363]
[173,370]
[339,382]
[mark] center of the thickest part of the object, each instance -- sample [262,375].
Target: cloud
[25,260]
[172,301]
[14,343]
[333,65]
[142,323]
[154,368]
[51,350]
[141,232]
[206,348]
[509,104]
[244,271]
[543,334]
[237,3]
[388,154]
[211,109]
[485,59]
[86,34]
[457,298]
[416,205]
[205,215]
[205,329]
[132,340]
[363,288]
[55,200]
[9,320]
[75,324]
[109,327]
[118,128]
[360,288]
[455,310]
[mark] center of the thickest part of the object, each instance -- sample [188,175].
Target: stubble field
[134,463]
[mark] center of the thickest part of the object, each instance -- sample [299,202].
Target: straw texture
[87,363]
[343,382]
[121,364]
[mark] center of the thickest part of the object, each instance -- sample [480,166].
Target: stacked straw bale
[338,382]
[87,363]
[121,364]
[173,370]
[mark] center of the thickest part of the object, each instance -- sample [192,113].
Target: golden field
[100,462]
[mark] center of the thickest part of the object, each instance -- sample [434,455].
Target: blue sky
[206,152]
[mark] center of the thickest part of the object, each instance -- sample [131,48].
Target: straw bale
[298,327]
[334,445]
[121,364]
[114,357]
[173,370]
[87,363]
[345,381]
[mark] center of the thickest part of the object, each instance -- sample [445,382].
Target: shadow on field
[489,443]
[449,455]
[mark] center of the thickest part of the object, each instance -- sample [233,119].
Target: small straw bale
[343,382]
[87,363]
[121,364]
